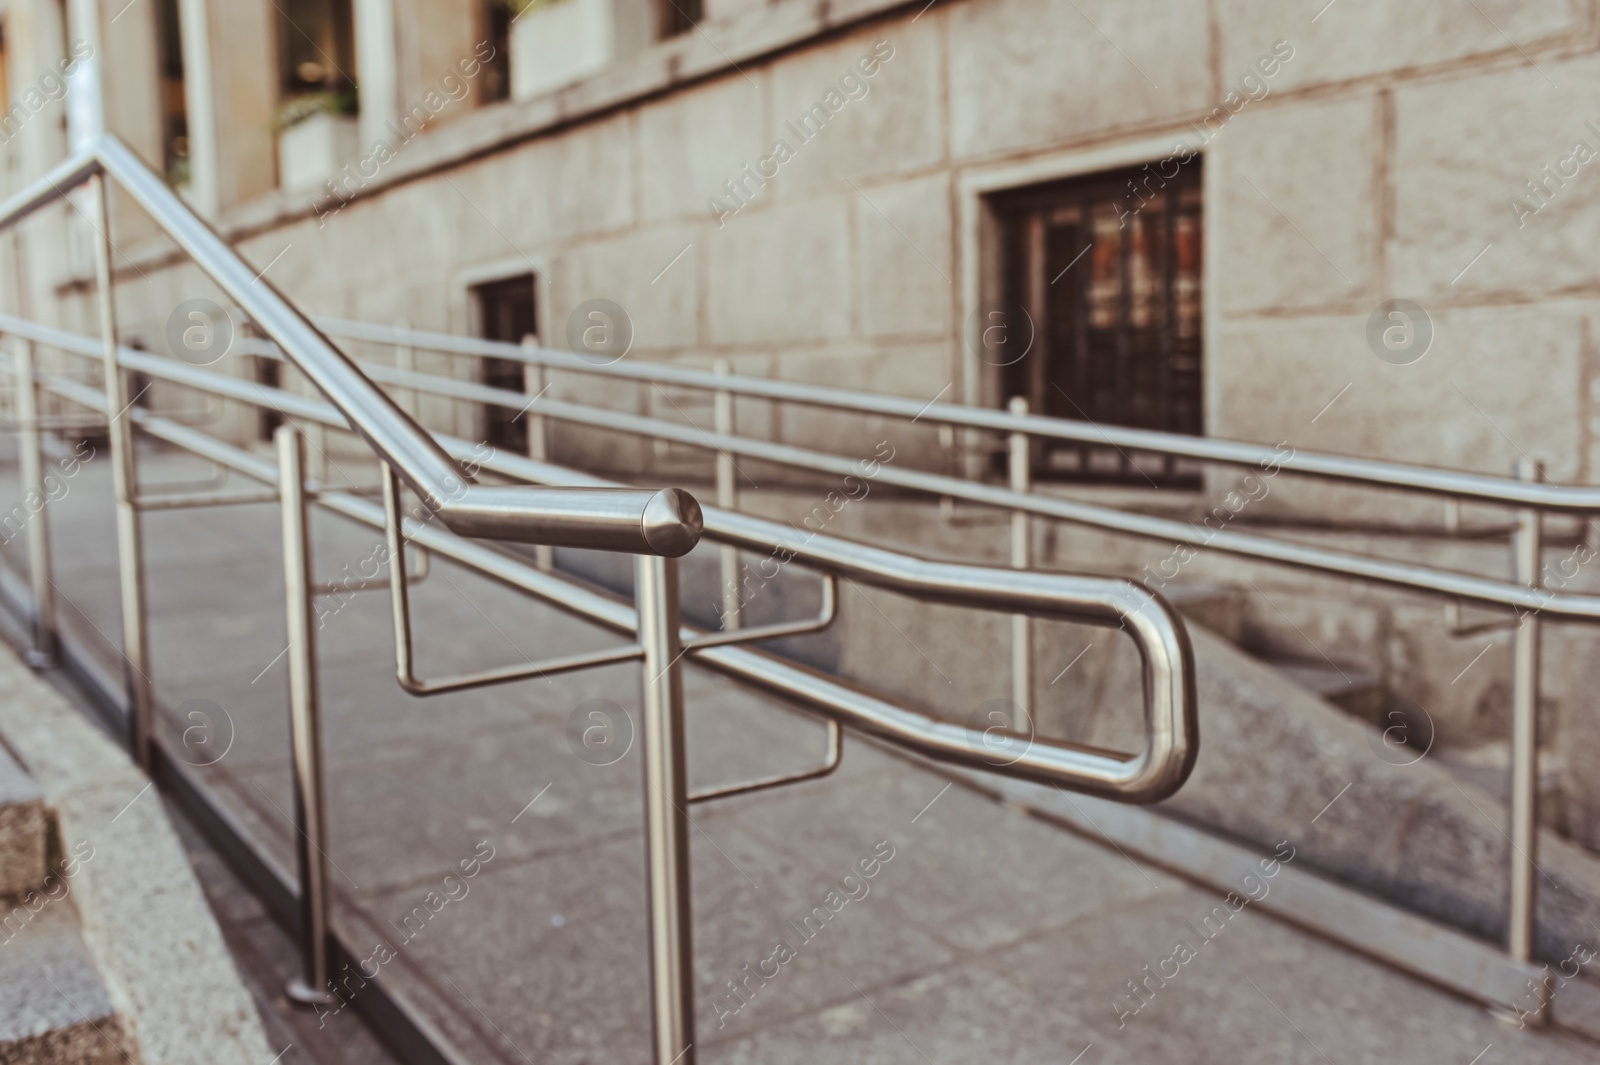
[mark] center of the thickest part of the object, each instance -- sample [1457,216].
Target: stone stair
[108,951]
[1356,692]
[23,842]
[55,1008]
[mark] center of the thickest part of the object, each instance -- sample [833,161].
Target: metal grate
[1107,268]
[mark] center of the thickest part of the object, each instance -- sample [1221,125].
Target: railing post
[405,358]
[86,93]
[124,489]
[1527,546]
[727,498]
[29,454]
[1020,466]
[533,383]
[317,437]
[666,803]
[311,986]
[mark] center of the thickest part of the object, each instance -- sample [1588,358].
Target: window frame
[980,261]
[1133,354]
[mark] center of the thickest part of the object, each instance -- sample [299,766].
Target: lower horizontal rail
[203,499]
[831,761]
[548,667]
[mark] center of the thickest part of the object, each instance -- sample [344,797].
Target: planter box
[569,40]
[312,151]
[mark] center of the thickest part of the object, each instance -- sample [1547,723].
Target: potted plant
[316,135]
[558,42]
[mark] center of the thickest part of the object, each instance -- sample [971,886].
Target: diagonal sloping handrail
[642,521]
[1375,472]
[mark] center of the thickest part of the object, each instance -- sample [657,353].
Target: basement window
[1107,270]
[507,311]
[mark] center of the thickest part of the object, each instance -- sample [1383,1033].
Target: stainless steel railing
[547,507]
[1526,493]
[1151,775]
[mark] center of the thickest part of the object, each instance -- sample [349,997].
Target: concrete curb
[145,920]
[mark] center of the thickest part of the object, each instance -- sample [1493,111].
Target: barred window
[1107,269]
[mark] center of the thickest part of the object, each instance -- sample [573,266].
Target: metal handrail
[1573,606]
[1152,774]
[661,522]
[1377,472]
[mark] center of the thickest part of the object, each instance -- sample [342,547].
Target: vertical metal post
[1527,546]
[42,653]
[1020,466]
[124,489]
[666,804]
[310,987]
[317,437]
[405,358]
[533,383]
[86,91]
[727,498]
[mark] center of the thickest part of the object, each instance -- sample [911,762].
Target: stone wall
[1378,165]
[1387,159]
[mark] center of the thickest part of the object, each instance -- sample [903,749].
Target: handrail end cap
[672,522]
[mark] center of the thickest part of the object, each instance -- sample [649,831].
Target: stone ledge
[144,918]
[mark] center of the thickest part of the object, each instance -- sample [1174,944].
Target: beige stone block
[1030,72]
[508,205]
[1297,219]
[435,38]
[572,185]
[1355,40]
[919,371]
[719,10]
[903,255]
[1463,150]
[781,276]
[890,122]
[1464,405]
[651,275]
[231,85]
[694,141]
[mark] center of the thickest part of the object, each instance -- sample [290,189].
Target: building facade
[1329,226]
[850,186]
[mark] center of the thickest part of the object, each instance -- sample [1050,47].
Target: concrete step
[1361,694]
[1219,607]
[24,825]
[54,1008]
[1488,766]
